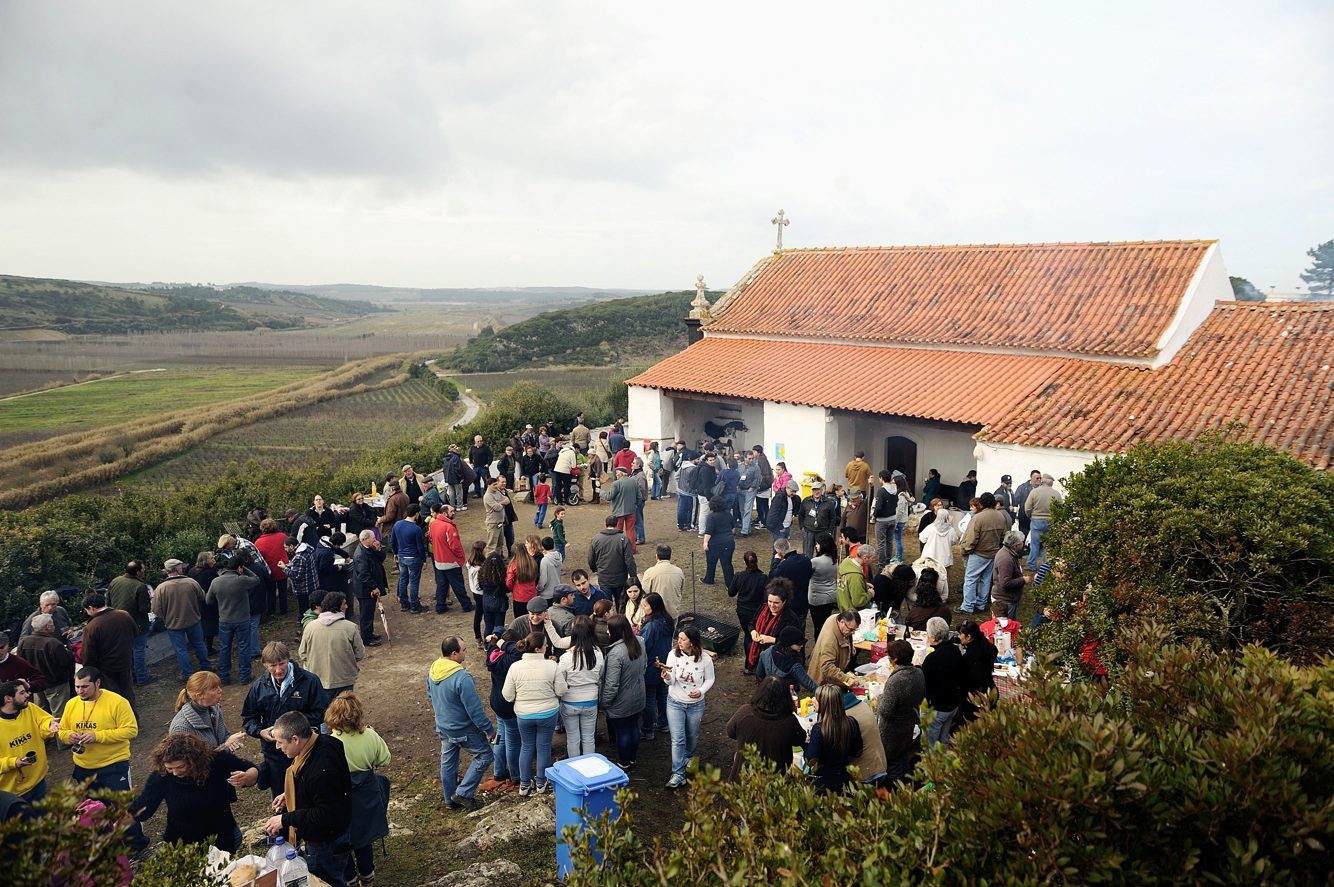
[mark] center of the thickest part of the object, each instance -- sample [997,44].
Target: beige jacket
[831,654]
[668,581]
[330,649]
[531,685]
[178,602]
[495,502]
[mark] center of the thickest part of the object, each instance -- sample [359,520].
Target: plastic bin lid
[586,774]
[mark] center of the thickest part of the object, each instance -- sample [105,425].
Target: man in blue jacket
[460,722]
[284,686]
[409,544]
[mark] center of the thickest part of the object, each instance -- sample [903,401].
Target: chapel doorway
[901,454]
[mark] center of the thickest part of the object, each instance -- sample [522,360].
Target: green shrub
[1198,767]
[1200,537]
[56,849]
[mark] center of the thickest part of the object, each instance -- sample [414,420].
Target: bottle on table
[294,872]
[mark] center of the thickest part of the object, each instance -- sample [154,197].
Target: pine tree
[1320,276]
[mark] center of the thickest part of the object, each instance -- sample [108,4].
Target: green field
[138,395]
[337,431]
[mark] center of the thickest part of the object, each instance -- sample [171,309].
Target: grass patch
[143,395]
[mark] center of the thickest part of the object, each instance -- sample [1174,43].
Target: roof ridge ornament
[782,221]
[699,308]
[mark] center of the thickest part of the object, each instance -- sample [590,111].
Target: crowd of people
[597,653]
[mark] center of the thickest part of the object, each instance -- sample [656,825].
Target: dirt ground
[392,687]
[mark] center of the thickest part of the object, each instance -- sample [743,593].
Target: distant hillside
[484,295]
[82,308]
[604,334]
[274,308]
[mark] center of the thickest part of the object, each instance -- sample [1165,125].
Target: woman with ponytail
[199,712]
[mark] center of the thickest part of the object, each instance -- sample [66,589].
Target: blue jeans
[409,580]
[655,707]
[560,546]
[444,581]
[255,648]
[241,631]
[684,720]
[939,730]
[332,861]
[1037,528]
[541,516]
[627,734]
[898,541]
[581,724]
[639,525]
[977,582]
[685,511]
[140,659]
[474,742]
[116,778]
[657,485]
[535,738]
[36,793]
[746,499]
[507,749]
[182,639]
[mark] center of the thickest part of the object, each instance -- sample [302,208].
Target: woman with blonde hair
[199,713]
[521,577]
[198,785]
[365,751]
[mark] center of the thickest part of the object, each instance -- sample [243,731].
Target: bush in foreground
[1199,766]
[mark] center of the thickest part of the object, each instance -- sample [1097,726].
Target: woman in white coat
[938,541]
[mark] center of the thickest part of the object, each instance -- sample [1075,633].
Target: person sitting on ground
[928,604]
[198,784]
[784,661]
[767,722]
[835,740]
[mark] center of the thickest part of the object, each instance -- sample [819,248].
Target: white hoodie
[938,540]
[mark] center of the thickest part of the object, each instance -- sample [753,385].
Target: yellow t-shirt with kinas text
[25,732]
[110,718]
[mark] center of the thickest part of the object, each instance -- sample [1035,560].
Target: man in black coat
[319,805]
[368,584]
[283,687]
[796,568]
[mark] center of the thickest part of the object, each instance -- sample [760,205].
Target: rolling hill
[619,331]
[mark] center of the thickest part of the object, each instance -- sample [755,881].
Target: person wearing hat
[1005,494]
[411,484]
[783,660]
[431,501]
[626,497]
[453,470]
[819,514]
[179,603]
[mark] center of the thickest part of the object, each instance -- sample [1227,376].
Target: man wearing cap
[1038,506]
[430,496]
[626,497]
[411,484]
[179,603]
[453,468]
[507,465]
[561,613]
[534,621]
[1021,496]
[819,514]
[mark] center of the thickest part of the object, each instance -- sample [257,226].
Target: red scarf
[764,624]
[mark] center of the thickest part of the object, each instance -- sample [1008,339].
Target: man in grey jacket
[612,556]
[230,592]
[1038,507]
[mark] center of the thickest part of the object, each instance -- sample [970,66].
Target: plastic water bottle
[277,852]
[294,872]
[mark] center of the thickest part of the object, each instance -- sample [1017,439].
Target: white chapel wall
[1210,285]
[797,435]
[652,414]
[994,460]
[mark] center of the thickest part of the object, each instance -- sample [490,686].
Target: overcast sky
[637,145]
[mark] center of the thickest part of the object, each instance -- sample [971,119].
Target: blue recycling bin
[585,787]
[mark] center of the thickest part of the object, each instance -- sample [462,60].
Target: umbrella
[379,608]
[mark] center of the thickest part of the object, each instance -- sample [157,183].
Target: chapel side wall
[652,414]
[1017,461]
[948,450]
[1210,286]
[802,432]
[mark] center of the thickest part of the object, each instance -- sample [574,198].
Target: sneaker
[525,790]
[367,880]
[676,781]
[544,789]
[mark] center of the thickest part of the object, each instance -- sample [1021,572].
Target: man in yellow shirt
[99,724]
[858,471]
[24,727]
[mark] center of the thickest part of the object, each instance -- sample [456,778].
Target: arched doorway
[901,454]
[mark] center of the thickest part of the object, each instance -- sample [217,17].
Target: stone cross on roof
[782,222]
[699,308]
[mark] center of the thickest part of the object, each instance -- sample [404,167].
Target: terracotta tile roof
[1269,367]
[917,382]
[1113,299]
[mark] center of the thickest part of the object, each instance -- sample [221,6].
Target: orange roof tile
[839,376]
[1113,299]
[1269,367]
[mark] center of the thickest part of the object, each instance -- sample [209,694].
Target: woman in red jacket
[521,577]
